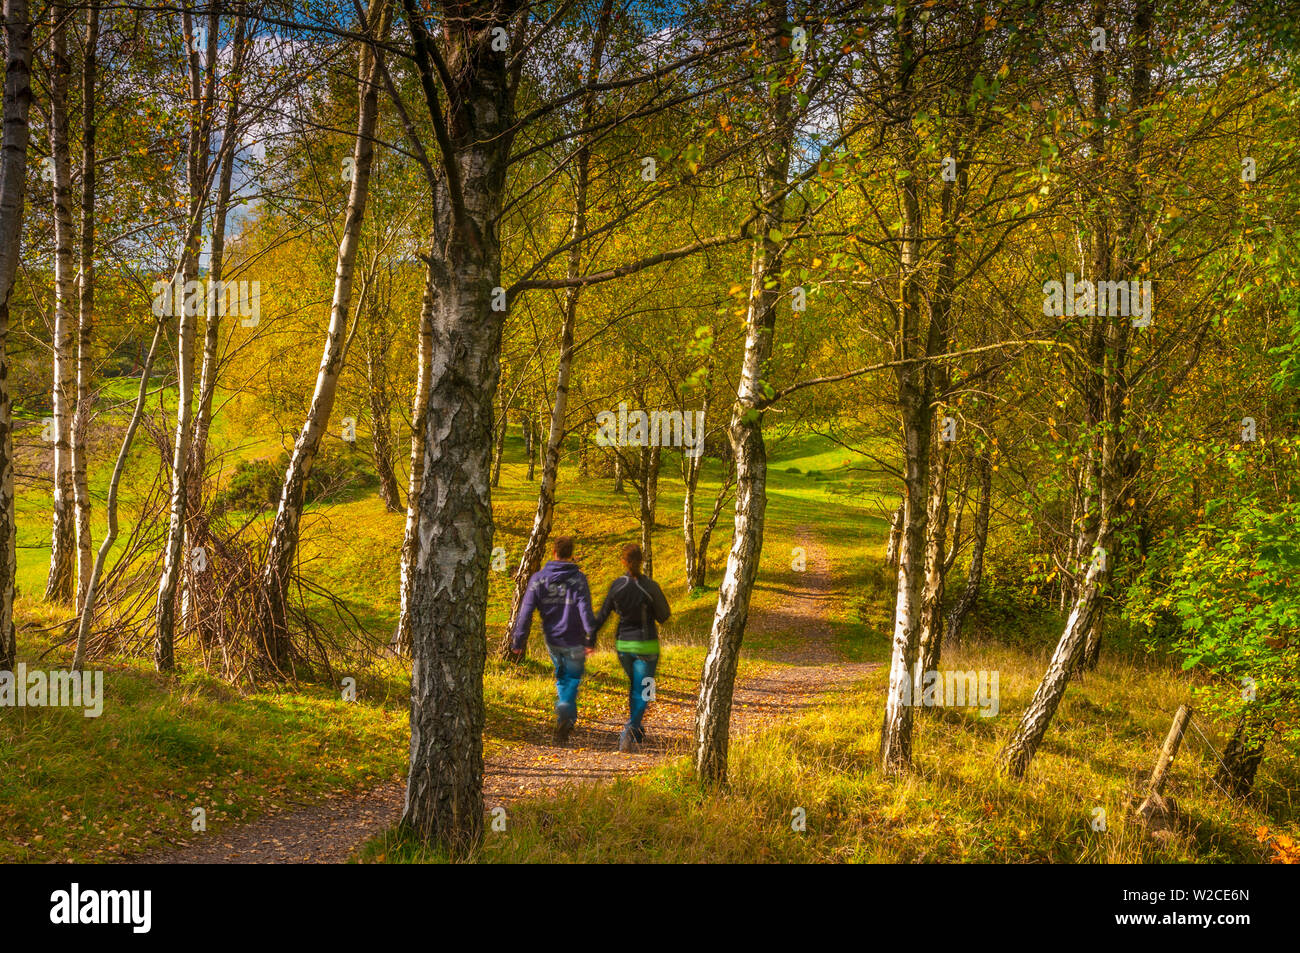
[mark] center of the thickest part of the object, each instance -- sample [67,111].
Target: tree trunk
[530,445]
[13,187]
[381,427]
[173,556]
[915,390]
[217,261]
[701,565]
[896,728]
[975,573]
[618,473]
[1241,759]
[895,536]
[717,681]
[415,478]
[1112,387]
[503,424]
[444,792]
[931,638]
[648,501]
[1023,744]
[110,508]
[691,467]
[1092,647]
[86,309]
[60,584]
[215,302]
[282,544]
[543,515]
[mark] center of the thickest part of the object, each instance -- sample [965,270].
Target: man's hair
[564,547]
[632,558]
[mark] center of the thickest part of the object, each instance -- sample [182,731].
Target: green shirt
[646,647]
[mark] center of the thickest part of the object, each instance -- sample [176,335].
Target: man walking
[559,593]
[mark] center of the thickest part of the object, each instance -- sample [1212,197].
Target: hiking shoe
[625,741]
[563,726]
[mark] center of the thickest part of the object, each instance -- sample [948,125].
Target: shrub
[255,484]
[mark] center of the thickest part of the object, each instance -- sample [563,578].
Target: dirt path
[329,831]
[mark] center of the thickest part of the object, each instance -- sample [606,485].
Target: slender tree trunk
[282,544]
[110,508]
[217,261]
[415,478]
[444,792]
[532,437]
[381,428]
[915,391]
[60,584]
[931,638]
[1092,645]
[717,681]
[165,610]
[13,188]
[1019,750]
[648,500]
[535,548]
[895,536]
[701,565]
[691,469]
[618,473]
[86,309]
[975,573]
[215,303]
[503,424]
[1023,744]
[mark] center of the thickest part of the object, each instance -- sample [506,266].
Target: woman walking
[640,605]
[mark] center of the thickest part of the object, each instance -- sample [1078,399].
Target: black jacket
[640,604]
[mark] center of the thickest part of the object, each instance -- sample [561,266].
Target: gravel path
[330,830]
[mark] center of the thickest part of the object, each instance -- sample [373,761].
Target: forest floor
[808,670]
[297,772]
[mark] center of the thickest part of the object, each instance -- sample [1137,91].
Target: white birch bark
[60,582]
[13,188]
[282,544]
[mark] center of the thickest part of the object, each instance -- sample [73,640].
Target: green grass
[126,782]
[953,808]
[93,789]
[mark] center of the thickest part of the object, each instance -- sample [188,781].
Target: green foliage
[255,484]
[1222,597]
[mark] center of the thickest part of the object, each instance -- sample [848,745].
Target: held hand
[591,650]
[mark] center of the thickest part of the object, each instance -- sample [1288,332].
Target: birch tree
[1110,385]
[61,580]
[86,306]
[282,543]
[13,189]
[474,63]
[196,166]
[717,682]
[535,546]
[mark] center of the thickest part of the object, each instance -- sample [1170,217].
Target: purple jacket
[559,593]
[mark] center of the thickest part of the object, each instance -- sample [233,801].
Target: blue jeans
[638,668]
[569,662]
